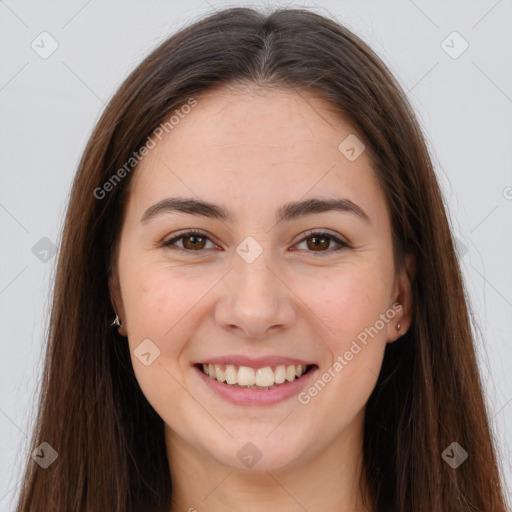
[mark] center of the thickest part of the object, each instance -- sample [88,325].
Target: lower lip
[240,396]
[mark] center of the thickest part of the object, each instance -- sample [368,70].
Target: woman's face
[255,293]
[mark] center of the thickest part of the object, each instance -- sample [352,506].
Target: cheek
[167,306]
[346,300]
[159,309]
[156,304]
[351,303]
[353,358]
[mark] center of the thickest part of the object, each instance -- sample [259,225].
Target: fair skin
[253,150]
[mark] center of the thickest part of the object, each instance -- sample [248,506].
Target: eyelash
[308,234]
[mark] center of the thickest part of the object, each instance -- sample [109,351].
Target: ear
[117,301]
[403,296]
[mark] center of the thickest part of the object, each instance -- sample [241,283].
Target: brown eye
[320,241]
[192,241]
[196,242]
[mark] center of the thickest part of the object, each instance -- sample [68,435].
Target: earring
[398,327]
[116,322]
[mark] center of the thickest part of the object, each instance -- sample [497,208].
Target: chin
[257,453]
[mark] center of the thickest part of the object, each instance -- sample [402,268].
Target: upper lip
[253,362]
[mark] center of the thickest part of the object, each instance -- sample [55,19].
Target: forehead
[264,143]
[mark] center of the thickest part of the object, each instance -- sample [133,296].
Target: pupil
[316,239]
[194,240]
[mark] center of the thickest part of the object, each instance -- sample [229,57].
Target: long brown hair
[110,441]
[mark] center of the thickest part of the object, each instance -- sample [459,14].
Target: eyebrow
[287,212]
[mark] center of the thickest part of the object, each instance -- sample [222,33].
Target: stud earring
[116,322]
[398,327]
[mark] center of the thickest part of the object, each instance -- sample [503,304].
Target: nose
[256,300]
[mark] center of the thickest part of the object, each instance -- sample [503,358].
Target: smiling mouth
[246,377]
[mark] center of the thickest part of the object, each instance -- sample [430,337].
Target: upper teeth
[247,376]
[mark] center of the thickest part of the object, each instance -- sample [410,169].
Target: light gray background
[49,106]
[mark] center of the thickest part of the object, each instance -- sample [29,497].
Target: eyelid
[183,234]
[188,231]
[322,231]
